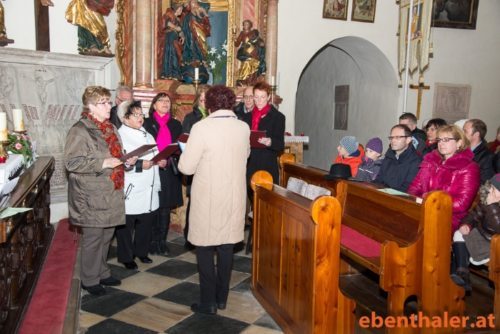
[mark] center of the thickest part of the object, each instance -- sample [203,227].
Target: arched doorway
[372,97]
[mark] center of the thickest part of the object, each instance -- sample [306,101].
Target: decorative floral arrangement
[20,144]
[217,59]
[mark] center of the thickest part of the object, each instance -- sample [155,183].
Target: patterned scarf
[164,138]
[114,145]
[258,114]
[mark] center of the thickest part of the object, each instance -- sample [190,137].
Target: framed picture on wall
[363,10]
[451,101]
[460,14]
[335,9]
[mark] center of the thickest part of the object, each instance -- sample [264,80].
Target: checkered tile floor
[156,298]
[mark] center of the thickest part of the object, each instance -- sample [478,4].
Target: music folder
[166,152]
[254,138]
[137,152]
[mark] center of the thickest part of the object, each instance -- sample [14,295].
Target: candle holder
[273,92]
[3,151]
[21,132]
[196,82]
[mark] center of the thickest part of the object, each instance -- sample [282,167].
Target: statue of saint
[4,40]
[251,53]
[196,29]
[93,38]
[171,43]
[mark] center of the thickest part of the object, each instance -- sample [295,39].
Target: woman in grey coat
[95,186]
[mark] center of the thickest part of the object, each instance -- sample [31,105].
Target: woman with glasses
[142,185]
[95,186]
[165,129]
[449,168]
[265,117]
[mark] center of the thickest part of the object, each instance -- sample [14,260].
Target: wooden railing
[24,240]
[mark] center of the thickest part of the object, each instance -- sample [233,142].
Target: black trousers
[134,237]
[214,283]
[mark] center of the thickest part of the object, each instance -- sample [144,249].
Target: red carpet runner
[47,308]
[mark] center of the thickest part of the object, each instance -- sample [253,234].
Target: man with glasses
[123,93]
[401,162]
[247,104]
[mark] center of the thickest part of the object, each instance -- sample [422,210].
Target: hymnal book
[166,152]
[254,139]
[183,138]
[137,152]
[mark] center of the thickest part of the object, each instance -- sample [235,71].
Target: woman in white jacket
[142,184]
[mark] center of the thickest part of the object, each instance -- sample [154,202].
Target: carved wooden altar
[24,241]
[137,45]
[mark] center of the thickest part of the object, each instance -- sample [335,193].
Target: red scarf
[164,138]
[114,145]
[257,115]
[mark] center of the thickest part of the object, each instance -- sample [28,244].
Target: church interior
[336,68]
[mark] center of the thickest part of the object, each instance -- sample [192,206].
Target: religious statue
[251,53]
[196,29]
[171,43]
[4,40]
[93,38]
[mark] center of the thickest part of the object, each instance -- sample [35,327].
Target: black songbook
[254,139]
[137,152]
[166,152]
[183,138]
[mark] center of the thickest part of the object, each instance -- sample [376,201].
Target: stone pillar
[271,39]
[143,52]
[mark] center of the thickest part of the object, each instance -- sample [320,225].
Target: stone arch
[373,97]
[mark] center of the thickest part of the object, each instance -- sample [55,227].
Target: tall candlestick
[3,126]
[17,115]
[272,81]
[196,73]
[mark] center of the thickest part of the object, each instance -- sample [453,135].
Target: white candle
[272,81]
[196,73]
[17,115]
[3,126]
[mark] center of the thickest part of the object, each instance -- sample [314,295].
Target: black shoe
[130,265]
[221,306]
[145,259]
[110,281]
[207,309]
[154,248]
[462,278]
[96,290]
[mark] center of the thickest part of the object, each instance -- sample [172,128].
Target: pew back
[296,257]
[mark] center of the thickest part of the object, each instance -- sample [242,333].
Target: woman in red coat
[449,168]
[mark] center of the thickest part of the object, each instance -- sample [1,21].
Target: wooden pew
[409,262]
[296,258]
[494,275]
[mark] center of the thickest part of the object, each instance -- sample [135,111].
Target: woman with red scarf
[165,129]
[95,186]
[265,117]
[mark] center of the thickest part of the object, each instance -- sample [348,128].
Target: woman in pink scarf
[165,129]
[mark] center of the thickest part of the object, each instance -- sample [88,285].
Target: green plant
[20,144]
[216,60]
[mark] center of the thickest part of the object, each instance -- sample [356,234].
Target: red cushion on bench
[359,243]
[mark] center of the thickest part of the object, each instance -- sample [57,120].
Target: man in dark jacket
[401,162]
[419,136]
[247,104]
[475,130]
[123,93]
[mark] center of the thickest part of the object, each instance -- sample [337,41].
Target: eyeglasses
[138,115]
[163,100]
[444,140]
[247,97]
[105,102]
[397,137]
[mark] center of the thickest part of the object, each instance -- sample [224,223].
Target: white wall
[460,56]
